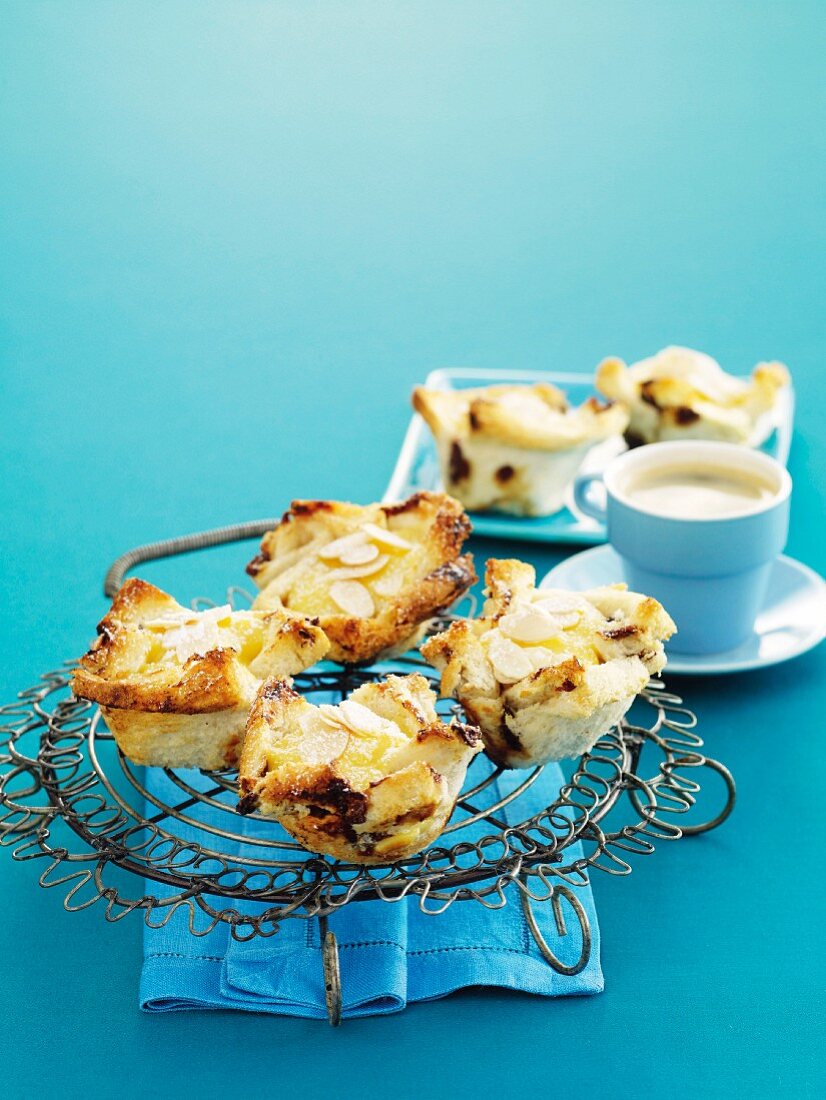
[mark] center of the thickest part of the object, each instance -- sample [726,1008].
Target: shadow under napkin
[391,954]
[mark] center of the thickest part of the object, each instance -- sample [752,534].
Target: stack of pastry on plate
[539,676]
[517,448]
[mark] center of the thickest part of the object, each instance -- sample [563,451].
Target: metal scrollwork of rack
[103,835]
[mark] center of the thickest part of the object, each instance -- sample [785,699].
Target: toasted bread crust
[207,683]
[192,712]
[208,741]
[112,673]
[437,527]
[563,706]
[334,809]
[484,414]
[514,448]
[682,394]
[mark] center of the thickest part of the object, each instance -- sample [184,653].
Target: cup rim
[732,454]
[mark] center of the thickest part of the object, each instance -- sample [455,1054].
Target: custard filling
[542,631]
[360,741]
[352,573]
[179,635]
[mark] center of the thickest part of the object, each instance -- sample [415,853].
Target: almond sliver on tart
[337,547]
[385,537]
[534,624]
[510,662]
[359,555]
[353,598]
[353,572]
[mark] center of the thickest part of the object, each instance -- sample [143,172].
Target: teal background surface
[233,236]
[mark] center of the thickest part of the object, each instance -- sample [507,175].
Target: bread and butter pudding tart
[514,448]
[175,686]
[545,672]
[682,394]
[371,780]
[371,575]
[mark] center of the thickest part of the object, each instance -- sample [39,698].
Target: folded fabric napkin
[391,954]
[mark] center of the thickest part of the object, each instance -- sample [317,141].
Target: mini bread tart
[371,780]
[175,686]
[371,575]
[545,673]
[513,448]
[683,394]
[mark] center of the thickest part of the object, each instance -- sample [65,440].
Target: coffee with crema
[699,491]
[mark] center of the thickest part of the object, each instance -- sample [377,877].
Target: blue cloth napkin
[391,954]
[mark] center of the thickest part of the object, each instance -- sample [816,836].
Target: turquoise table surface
[233,237]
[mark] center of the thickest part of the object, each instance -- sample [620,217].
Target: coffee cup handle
[590,497]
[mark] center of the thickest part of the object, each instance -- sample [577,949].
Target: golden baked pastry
[513,448]
[683,394]
[371,780]
[175,686]
[544,673]
[371,575]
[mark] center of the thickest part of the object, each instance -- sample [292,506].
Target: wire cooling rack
[105,834]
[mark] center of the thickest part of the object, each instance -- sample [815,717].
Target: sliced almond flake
[361,719]
[189,641]
[527,624]
[196,634]
[532,624]
[387,586]
[555,600]
[385,537]
[540,657]
[353,598]
[510,663]
[359,555]
[340,546]
[567,619]
[211,615]
[358,719]
[352,572]
[172,619]
[215,613]
[331,714]
[323,740]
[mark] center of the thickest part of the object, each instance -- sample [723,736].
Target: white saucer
[791,621]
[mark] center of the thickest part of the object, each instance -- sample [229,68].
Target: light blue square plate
[417,466]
